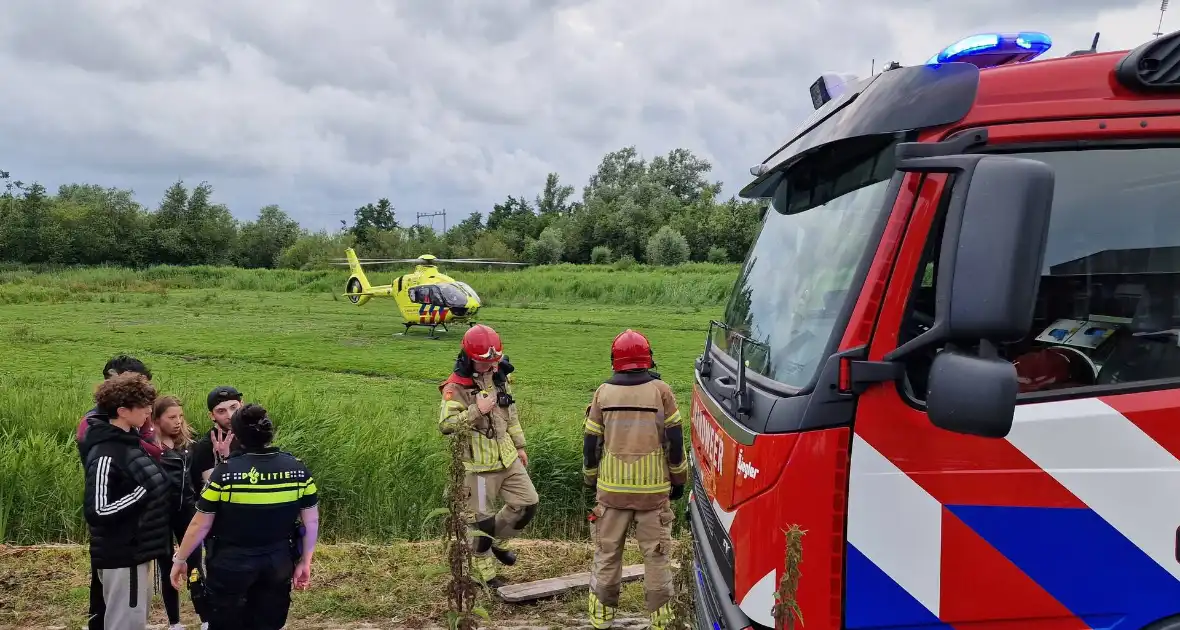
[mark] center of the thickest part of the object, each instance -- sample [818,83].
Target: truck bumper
[714,605]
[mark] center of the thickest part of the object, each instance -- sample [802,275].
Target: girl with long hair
[175,437]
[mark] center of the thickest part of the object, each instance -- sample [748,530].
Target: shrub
[541,252]
[625,262]
[601,255]
[667,247]
[717,255]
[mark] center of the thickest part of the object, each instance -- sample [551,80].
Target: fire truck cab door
[1071,520]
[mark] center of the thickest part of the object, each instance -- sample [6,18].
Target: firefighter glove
[677,491]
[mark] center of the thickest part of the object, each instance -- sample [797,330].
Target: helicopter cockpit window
[420,295]
[467,289]
[439,294]
[451,295]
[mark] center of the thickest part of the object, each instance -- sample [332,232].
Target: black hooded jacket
[177,465]
[126,500]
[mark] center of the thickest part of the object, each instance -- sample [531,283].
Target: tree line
[664,211]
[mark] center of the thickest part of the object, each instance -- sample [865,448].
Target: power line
[431,215]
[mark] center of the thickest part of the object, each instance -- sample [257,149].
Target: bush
[625,262]
[542,252]
[601,255]
[717,255]
[667,247]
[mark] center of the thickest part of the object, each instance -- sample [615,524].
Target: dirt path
[630,623]
[354,587]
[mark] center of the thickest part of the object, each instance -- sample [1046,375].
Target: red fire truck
[952,356]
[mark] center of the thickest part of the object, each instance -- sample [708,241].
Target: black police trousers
[248,589]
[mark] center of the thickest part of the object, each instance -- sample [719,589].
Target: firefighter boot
[601,615]
[506,557]
[661,618]
[485,571]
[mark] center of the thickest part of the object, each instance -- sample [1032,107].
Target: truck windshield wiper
[735,391]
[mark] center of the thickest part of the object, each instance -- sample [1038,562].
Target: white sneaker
[205,625]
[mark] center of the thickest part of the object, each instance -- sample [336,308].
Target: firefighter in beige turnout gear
[478,397]
[633,452]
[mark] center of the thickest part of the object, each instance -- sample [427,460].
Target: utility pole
[431,215]
[1160,28]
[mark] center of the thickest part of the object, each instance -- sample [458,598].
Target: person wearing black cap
[220,442]
[259,513]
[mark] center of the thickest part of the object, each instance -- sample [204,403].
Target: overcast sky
[322,105]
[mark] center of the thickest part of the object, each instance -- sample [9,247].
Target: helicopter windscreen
[467,289]
[452,295]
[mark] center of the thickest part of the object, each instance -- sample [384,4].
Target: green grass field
[350,395]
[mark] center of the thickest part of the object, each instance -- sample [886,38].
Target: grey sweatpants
[127,593]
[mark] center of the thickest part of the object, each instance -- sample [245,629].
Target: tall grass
[696,284]
[379,480]
[356,403]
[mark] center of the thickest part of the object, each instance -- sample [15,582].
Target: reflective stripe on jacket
[638,423]
[495,437]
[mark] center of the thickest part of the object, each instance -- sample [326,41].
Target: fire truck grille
[714,534]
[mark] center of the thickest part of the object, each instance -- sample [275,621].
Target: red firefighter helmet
[1052,368]
[631,351]
[481,343]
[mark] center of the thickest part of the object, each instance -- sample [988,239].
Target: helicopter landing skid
[432,335]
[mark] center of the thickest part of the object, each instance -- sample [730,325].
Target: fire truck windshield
[798,275]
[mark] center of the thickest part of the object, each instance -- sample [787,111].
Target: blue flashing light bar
[994,49]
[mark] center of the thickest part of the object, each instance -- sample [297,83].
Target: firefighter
[477,397]
[633,453]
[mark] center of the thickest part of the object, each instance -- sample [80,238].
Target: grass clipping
[786,604]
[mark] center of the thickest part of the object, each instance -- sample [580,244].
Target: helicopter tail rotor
[358,290]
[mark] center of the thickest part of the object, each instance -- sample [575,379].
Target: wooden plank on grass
[538,589]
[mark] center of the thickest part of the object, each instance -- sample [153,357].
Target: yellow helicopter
[425,296]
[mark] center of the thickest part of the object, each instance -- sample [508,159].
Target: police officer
[478,397]
[633,452]
[259,511]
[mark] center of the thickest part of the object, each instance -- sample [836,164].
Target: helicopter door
[425,294]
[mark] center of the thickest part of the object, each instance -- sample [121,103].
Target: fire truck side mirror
[971,394]
[988,273]
[993,246]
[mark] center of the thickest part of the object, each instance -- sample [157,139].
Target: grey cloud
[102,37]
[321,107]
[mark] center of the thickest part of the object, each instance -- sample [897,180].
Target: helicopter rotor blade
[432,261]
[377,261]
[479,261]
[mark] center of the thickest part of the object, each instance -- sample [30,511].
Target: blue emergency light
[988,50]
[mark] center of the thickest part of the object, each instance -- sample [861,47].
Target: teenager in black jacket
[125,502]
[117,365]
[174,436]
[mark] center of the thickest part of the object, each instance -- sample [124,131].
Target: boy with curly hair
[126,500]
